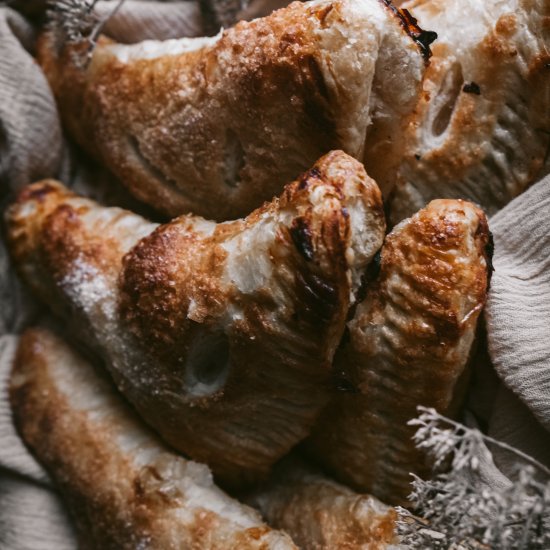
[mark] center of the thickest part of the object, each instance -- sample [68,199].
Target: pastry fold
[481,128]
[123,487]
[215,126]
[408,344]
[221,335]
[320,514]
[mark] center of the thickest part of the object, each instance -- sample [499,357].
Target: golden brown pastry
[481,129]
[124,488]
[221,335]
[215,126]
[409,343]
[320,514]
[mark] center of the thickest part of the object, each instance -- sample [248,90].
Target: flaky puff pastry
[123,487]
[481,129]
[409,343]
[215,126]
[221,335]
[320,514]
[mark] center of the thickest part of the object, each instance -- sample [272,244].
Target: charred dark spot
[36,193]
[417,156]
[410,24]
[314,173]
[301,237]
[471,88]
[318,296]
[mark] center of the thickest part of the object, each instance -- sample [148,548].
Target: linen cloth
[32,147]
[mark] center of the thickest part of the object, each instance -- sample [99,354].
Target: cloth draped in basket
[516,407]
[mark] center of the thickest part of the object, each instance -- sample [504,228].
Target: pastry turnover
[481,129]
[320,514]
[124,488]
[215,126]
[221,335]
[409,343]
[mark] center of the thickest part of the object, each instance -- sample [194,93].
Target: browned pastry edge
[218,130]
[187,300]
[124,489]
[409,344]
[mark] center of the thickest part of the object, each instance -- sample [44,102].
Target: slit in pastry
[227,121]
[124,487]
[488,85]
[221,335]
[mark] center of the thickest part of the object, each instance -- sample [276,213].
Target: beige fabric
[150,20]
[518,311]
[32,517]
[32,147]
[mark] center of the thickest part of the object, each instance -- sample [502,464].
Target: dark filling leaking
[409,23]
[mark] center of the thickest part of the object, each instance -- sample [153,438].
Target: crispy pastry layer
[124,488]
[221,335]
[216,126]
[481,129]
[409,344]
[320,514]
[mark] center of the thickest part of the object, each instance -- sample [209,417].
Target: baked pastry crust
[221,335]
[216,126]
[481,128]
[320,514]
[124,488]
[409,343]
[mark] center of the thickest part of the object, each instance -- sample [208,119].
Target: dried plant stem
[433,414]
[99,27]
[458,510]
[75,22]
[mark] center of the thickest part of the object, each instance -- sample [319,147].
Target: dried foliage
[76,22]
[458,510]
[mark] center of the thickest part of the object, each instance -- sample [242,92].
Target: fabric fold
[518,309]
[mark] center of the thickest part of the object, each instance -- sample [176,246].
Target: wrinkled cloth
[518,310]
[32,147]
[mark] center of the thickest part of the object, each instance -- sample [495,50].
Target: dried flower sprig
[456,510]
[77,22]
